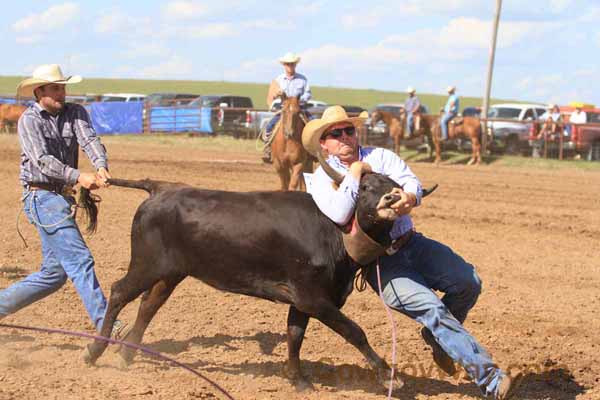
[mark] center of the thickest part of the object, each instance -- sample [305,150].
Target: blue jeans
[444,124]
[65,255]
[407,280]
[410,119]
[272,123]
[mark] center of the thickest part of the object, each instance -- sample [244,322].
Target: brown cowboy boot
[441,358]
[266,157]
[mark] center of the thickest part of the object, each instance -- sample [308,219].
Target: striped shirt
[50,144]
[339,204]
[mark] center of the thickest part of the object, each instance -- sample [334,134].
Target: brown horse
[466,127]
[394,123]
[10,114]
[289,156]
[397,126]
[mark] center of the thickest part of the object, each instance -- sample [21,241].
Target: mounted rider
[412,106]
[290,83]
[450,111]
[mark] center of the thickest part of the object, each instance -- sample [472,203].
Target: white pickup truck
[511,133]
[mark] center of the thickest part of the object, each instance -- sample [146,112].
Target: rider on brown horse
[290,83]
[412,107]
[450,111]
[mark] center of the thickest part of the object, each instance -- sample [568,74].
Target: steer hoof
[303,385]
[87,356]
[383,377]
[300,382]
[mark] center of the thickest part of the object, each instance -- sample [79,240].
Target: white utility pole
[488,84]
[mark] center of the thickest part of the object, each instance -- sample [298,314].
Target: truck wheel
[594,152]
[512,146]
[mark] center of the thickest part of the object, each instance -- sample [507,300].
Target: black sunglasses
[336,133]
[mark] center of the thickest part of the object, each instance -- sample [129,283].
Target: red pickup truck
[584,139]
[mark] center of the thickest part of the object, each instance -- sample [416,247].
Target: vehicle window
[593,118]
[529,114]
[111,98]
[244,102]
[504,112]
[540,111]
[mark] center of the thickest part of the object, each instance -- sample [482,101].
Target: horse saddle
[458,120]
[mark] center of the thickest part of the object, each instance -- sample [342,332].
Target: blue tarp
[176,119]
[114,117]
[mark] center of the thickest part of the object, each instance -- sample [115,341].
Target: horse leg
[151,302]
[283,172]
[297,180]
[296,327]
[476,151]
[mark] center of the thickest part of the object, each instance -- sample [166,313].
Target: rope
[122,343]
[391,318]
[263,140]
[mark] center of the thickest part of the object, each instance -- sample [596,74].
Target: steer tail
[148,185]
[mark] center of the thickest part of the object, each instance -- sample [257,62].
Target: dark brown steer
[272,245]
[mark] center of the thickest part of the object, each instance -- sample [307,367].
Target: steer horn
[333,174]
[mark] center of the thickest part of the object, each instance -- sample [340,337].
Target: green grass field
[366,98]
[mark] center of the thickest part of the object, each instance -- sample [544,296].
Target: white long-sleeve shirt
[339,204]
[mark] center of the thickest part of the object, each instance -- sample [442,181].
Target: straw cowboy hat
[410,89]
[43,75]
[290,58]
[312,132]
[450,88]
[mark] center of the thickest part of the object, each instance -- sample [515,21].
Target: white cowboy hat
[290,58]
[551,106]
[312,132]
[450,88]
[43,75]
[410,89]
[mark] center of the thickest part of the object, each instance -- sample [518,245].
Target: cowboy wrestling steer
[273,245]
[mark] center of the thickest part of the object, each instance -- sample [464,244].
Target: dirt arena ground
[534,236]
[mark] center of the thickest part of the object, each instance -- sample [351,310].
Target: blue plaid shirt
[50,144]
[296,86]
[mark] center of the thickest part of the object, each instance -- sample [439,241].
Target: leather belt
[65,190]
[400,242]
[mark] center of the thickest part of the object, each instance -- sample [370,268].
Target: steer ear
[427,192]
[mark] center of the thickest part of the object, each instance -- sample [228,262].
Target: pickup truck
[229,112]
[584,139]
[511,134]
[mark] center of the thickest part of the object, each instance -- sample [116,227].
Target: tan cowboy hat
[290,58]
[410,89]
[43,75]
[450,88]
[312,132]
